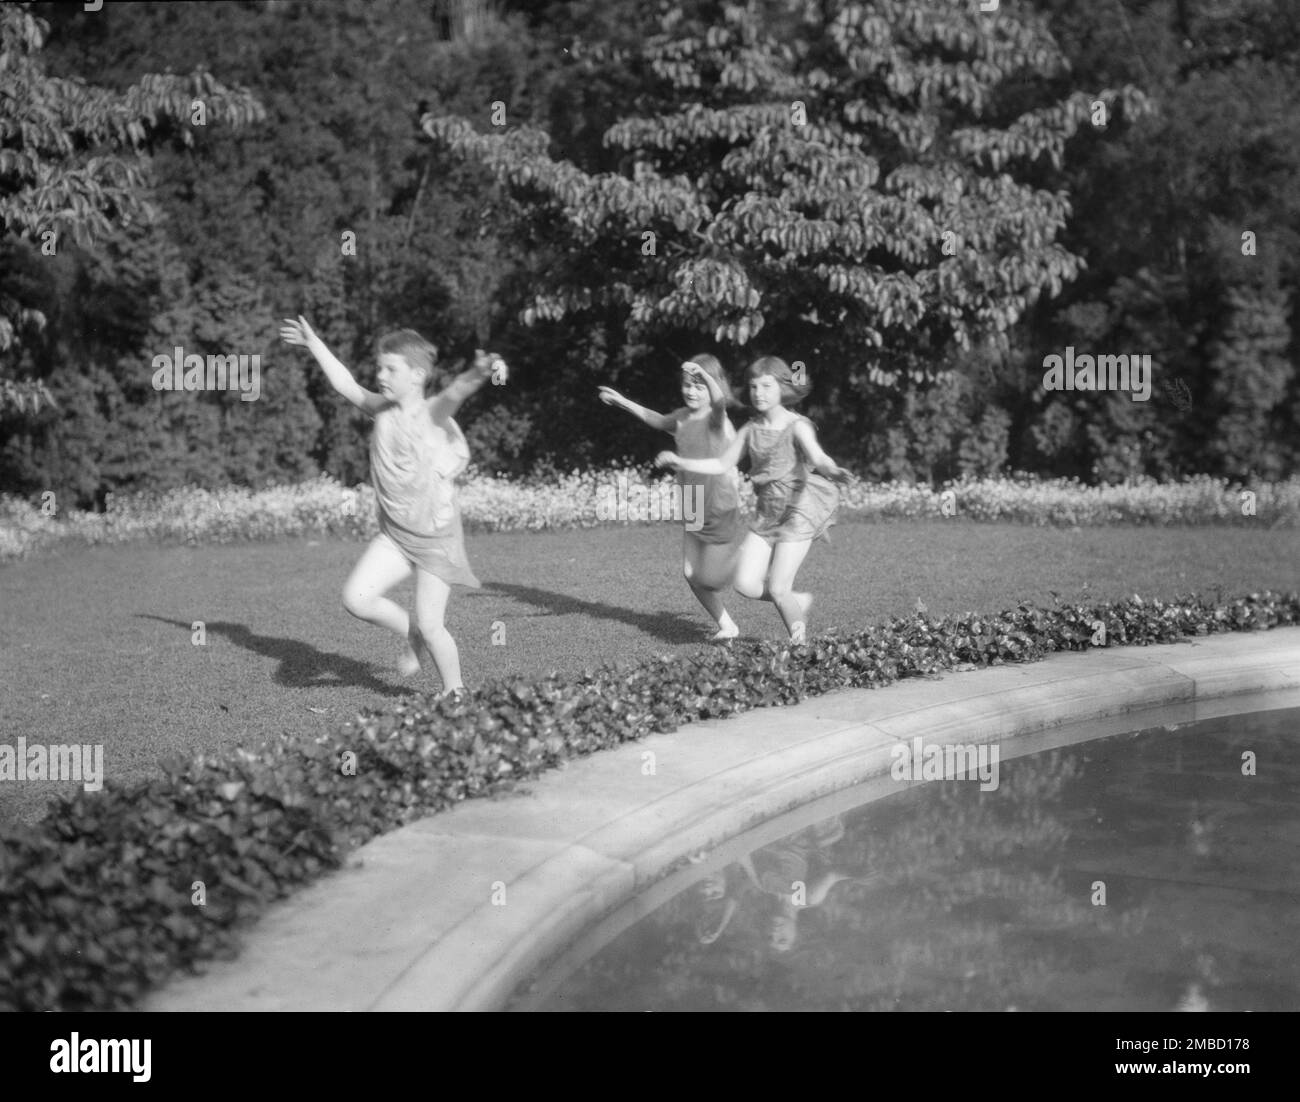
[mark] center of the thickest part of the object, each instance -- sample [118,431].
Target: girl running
[796,502]
[701,429]
[416,452]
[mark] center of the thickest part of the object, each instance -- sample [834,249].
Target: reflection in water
[1140,872]
[779,882]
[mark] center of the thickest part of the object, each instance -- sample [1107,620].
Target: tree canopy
[74,160]
[795,170]
[915,200]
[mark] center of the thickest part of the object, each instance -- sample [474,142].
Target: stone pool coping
[410,923]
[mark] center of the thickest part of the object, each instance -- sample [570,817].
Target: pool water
[1134,872]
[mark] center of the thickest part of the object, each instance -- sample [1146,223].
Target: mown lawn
[95,646]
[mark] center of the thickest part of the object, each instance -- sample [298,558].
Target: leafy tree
[337,206]
[1251,374]
[73,161]
[1160,213]
[823,243]
[126,303]
[795,171]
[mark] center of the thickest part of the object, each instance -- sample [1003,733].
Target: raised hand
[489,364]
[297,332]
[610,396]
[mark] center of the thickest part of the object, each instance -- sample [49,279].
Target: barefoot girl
[701,430]
[796,502]
[416,452]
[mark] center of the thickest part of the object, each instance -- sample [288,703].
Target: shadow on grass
[669,627]
[302,666]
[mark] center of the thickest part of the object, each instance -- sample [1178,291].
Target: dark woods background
[241,221]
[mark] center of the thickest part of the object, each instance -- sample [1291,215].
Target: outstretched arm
[719,465]
[747,863]
[822,463]
[448,400]
[341,379]
[710,936]
[820,889]
[663,422]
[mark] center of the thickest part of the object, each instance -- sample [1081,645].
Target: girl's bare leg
[707,569]
[786,560]
[717,564]
[381,567]
[751,568]
[431,594]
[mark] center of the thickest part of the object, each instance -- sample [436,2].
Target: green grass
[96,645]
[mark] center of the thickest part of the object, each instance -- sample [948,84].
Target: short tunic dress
[779,867]
[413,465]
[794,502]
[721,497]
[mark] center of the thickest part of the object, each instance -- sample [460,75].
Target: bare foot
[725,633]
[409,664]
[799,629]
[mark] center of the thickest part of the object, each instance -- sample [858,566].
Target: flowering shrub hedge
[97,900]
[498,504]
[1062,501]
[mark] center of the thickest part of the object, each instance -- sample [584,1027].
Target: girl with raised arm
[792,479]
[416,452]
[701,429]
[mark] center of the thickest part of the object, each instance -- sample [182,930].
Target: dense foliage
[98,901]
[827,182]
[74,168]
[918,200]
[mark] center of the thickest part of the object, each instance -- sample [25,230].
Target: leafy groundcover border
[97,900]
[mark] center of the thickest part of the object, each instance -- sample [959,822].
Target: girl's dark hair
[791,391]
[413,348]
[713,368]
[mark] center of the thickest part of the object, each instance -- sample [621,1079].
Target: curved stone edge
[454,911]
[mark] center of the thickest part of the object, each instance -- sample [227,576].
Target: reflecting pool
[1150,871]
